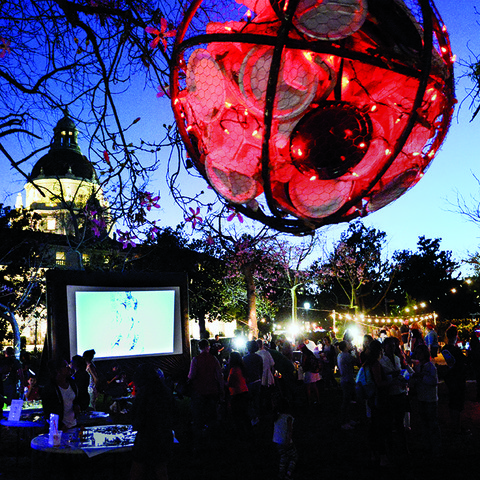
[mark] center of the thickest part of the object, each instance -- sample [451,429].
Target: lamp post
[306,306]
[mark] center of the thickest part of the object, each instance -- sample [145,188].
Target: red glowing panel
[325,109]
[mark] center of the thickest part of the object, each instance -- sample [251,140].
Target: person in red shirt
[237,387]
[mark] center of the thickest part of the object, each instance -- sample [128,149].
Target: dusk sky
[428,208]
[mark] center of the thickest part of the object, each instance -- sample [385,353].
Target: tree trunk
[202,327]
[10,317]
[293,296]
[251,302]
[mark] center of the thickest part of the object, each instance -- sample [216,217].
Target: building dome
[64,159]
[62,182]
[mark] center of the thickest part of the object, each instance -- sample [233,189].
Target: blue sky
[427,209]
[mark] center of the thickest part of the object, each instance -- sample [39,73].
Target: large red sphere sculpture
[325,109]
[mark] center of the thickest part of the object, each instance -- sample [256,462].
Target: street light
[306,306]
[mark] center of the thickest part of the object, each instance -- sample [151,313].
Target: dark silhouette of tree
[429,275]
[22,289]
[90,57]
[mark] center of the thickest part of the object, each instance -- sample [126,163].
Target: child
[33,392]
[282,436]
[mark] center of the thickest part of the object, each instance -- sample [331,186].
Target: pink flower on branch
[98,226]
[160,35]
[127,238]
[233,215]
[194,218]
[149,201]
[152,234]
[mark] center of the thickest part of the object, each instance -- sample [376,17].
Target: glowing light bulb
[308,56]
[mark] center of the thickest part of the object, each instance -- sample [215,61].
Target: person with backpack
[311,370]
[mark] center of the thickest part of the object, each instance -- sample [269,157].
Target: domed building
[62,182]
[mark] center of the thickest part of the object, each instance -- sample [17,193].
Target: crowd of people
[398,366]
[266,382]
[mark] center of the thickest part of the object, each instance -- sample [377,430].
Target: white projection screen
[130,315]
[127,322]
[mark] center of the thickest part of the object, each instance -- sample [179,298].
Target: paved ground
[326,451]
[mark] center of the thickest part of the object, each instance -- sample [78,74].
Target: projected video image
[125,323]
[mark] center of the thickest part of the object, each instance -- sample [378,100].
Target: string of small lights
[369,321]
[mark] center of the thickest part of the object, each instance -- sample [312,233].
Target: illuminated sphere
[311,112]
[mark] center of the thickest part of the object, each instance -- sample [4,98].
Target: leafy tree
[256,260]
[291,258]
[429,275]
[22,289]
[355,273]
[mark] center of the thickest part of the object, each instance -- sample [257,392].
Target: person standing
[152,414]
[82,380]
[425,383]
[216,348]
[396,391]
[311,370]
[253,372]
[206,379]
[94,379]
[237,387]
[431,340]
[60,395]
[268,380]
[455,377]
[346,363]
[328,356]
[404,334]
